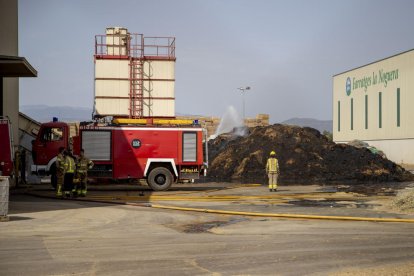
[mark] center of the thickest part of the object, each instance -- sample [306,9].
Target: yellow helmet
[272,153]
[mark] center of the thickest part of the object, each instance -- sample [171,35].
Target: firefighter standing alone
[272,170]
[82,167]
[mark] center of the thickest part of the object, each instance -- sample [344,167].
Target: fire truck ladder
[136,78]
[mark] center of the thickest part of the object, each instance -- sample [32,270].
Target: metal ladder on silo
[136,79]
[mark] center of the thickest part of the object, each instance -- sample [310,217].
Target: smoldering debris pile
[304,154]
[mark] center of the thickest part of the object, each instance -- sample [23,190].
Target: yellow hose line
[227,197]
[294,216]
[223,212]
[193,199]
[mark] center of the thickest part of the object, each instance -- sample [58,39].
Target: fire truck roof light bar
[126,121]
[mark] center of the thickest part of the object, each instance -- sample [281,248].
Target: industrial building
[12,67]
[374,103]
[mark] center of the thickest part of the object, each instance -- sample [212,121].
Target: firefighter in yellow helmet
[69,173]
[82,167]
[60,171]
[272,170]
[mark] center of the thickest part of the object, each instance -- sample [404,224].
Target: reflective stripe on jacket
[70,165]
[60,163]
[272,165]
[84,164]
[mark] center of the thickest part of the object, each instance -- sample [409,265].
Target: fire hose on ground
[111,199]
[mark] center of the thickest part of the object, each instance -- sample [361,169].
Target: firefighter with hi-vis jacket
[82,166]
[60,171]
[68,186]
[272,170]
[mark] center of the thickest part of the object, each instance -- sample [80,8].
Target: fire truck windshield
[52,134]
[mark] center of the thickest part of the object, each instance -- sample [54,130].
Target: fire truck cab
[161,154]
[50,138]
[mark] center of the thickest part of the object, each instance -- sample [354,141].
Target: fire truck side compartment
[126,152]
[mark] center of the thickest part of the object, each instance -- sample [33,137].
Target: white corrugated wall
[378,108]
[112,87]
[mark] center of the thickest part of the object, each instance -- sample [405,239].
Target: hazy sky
[286,51]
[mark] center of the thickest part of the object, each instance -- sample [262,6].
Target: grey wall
[9,47]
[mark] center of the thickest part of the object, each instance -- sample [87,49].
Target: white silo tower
[134,75]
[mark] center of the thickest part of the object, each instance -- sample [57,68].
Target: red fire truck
[6,147]
[161,154]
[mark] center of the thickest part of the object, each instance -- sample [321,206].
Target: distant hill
[45,113]
[320,125]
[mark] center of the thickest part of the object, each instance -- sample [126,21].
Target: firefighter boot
[76,186]
[59,191]
[83,188]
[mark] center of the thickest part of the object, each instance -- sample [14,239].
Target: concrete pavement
[64,237]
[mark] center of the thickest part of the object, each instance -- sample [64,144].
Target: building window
[380,109]
[398,107]
[366,111]
[339,116]
[352,114]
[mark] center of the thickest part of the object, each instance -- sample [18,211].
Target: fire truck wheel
[160,179]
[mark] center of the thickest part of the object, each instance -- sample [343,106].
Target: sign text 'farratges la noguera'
[381,77]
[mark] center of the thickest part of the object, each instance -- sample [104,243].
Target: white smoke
[230,122]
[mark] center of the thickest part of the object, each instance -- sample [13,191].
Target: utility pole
[243,90]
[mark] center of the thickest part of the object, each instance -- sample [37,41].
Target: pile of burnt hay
[304,154]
